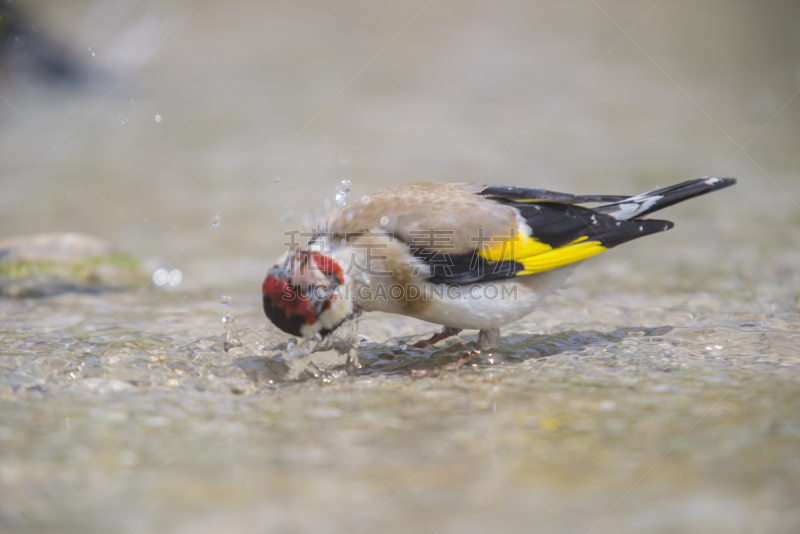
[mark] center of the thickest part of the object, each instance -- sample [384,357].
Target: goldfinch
[465,256]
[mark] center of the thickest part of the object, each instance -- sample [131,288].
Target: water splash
[341,192]
[231,335]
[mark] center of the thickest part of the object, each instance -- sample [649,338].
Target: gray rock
[41,265]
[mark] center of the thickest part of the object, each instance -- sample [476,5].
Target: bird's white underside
[487,305]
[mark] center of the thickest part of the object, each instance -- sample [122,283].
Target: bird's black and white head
[303,294]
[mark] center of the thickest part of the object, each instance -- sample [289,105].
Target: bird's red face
[301,297]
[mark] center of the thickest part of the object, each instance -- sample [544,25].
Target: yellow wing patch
[513,248]
[536,256]
[558,257]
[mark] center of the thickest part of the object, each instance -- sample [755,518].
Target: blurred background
[140,121]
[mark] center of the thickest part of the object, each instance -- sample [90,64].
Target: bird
[461,255]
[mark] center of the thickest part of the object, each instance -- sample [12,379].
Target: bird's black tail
[646,203]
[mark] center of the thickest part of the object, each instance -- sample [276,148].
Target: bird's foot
[452,366]
[447,331]
[488,339]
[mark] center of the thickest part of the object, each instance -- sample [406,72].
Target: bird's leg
[447,331]
[488,338]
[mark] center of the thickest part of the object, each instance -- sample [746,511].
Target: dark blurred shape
[25,51]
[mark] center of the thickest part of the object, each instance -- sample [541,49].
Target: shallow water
[659,394]
[123,418]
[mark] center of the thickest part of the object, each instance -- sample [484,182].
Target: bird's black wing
[553,235]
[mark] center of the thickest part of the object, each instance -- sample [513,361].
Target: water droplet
[215,221]
[160,277]
[365,199]
[287,219]
[123,120]
[227,318]
[158,118]
[384,221]
[277,179]
[90,51]
[349,217]
[341,192]
[133,103]
[259,345]
[225,300]
[344,163]
[175,277]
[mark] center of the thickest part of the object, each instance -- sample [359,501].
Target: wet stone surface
[694,414]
